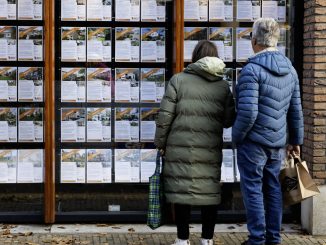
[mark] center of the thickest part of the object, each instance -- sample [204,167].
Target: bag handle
[297,158]
[290,161]
[158,167]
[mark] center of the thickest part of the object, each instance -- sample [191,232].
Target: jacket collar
[269,49]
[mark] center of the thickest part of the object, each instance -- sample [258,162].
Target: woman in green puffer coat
[197,105]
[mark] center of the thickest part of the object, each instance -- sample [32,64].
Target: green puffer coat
[197,105]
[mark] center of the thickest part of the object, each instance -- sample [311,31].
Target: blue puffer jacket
[268,102]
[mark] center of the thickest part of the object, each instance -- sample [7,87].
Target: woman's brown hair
[203,49]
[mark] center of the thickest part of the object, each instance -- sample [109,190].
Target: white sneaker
[206,241]
[181,242]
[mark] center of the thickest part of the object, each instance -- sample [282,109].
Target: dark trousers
[182,220]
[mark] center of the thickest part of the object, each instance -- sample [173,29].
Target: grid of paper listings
[21,91]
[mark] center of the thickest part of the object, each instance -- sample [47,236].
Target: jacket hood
[274,61]
[210,68]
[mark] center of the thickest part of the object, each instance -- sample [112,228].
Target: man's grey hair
[266,31]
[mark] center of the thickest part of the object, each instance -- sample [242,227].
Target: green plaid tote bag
[155,204]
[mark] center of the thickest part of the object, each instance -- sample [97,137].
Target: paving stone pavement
[132,238]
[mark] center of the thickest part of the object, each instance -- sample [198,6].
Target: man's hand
[293,149]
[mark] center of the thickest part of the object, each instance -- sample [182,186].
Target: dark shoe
[245,243]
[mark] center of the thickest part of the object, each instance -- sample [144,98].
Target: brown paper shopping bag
[307,186]
[296,181]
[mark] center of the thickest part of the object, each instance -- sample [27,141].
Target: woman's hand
[161,151]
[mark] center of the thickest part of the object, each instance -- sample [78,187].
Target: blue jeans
[259,168]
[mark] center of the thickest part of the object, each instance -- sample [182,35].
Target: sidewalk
[133,234]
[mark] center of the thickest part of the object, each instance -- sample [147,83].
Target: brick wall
[314,88]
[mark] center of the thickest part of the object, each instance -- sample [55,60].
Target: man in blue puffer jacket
[269,117]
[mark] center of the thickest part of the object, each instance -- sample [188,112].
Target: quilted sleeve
[247,103]
[166,114]
[295,116]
